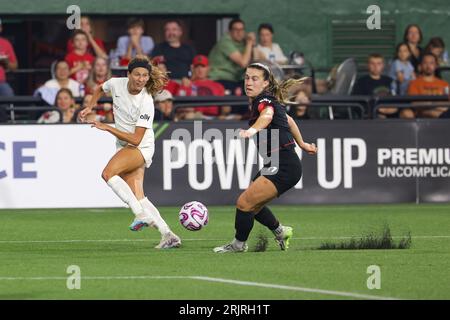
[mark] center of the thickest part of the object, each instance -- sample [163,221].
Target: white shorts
[146,151]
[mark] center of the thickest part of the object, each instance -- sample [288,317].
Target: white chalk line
[211,279]
[193,239]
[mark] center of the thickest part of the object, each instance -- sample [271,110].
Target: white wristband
[252,131]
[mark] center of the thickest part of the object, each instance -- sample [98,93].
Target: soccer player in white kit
[133,114]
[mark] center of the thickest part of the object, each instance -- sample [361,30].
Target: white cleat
[169,240]
[230,248]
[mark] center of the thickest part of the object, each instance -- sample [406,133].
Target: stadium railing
[23,108]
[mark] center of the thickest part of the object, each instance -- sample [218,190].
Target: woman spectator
[302,94]
[96,46]
[436,46]
[266,50]
[65,103]
[62,79]
[100,73]
[413,37]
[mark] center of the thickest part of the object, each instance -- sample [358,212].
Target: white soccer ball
[193,215]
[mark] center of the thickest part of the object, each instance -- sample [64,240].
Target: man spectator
[163,106]
[80,60]
[231,55]
[8,61]
[178,55]
[200,85]
[135,42]
[427,84]
[376,84]
[96,46]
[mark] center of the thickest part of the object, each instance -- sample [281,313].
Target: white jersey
[131,111]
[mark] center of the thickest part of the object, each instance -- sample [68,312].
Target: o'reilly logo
[145,117]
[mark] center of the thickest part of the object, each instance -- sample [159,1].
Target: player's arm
[132,138]
[264,119]
[96,95]
[308,147]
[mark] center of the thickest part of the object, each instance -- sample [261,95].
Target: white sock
[151,210]
[123,190]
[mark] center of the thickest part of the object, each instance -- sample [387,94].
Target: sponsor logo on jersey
[145,117]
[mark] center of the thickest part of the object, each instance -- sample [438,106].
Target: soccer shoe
[230,248]
[283,239]
[169,240]
[138,224]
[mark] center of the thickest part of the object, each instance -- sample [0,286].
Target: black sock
[243,224]
[266,218]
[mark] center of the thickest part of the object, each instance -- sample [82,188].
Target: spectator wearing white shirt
[267,50]
[62,79]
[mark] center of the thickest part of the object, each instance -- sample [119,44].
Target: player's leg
[125,160]
[151,215]
[260,192]
[283,234]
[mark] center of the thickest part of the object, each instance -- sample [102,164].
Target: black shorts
[288,173]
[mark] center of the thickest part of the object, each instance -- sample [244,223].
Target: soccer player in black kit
[276,177]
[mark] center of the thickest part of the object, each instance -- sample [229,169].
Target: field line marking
[293,288]
[218,280]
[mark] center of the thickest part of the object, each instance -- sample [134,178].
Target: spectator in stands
[8,61]
[302,96]
[436,46]
[66,104]
[231,55]
[413,37]
[376,84]
[200,85]
[62,79]
[427,84]
[177,55]
[163,106]
[266,50]
[402,71]
[172,86]
[135,42]
[96,46]
[100,73]
[80,60]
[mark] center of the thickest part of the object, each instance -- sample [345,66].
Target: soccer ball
[193,215]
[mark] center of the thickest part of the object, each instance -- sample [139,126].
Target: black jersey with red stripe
[279,121]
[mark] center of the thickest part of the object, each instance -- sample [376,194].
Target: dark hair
[178,22]
[279,90]
[405,35]
[135,22]
[397,48]
[435,42]
[77,32]
[63,90]
[234,21]
[267,26]
[426,54]
[375,56]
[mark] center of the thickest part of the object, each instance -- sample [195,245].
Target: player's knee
[106,175]
[244,204]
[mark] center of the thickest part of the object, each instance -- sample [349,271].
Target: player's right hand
[83,113]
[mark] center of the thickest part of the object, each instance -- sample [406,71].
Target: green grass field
[37,246]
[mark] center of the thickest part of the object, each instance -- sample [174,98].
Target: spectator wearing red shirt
[8,61]
[96,46]
[200,85]
[79,60]
[171,86]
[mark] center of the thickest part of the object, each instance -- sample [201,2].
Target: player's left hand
[98,125]
[311,148]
